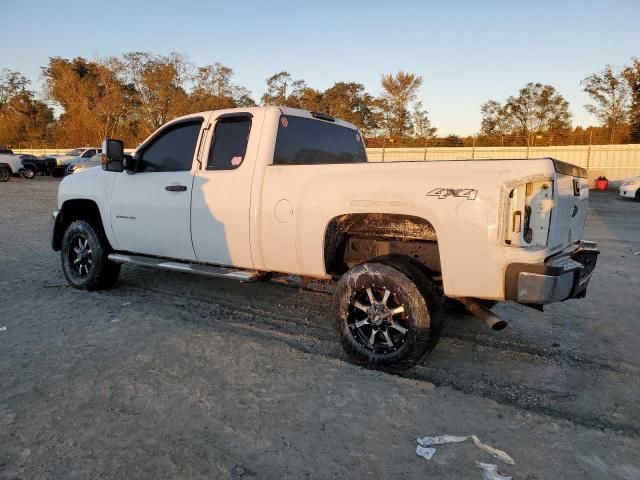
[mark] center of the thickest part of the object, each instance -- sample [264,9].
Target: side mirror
[112,155]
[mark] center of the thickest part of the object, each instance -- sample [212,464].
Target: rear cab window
[230,139]
[309,141]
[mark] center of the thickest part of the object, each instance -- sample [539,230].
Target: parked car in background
[32,165]
[74,154]
[630,188]
[10,164]
[62,161]
[80,164]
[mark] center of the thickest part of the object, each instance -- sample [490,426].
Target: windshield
[75,152]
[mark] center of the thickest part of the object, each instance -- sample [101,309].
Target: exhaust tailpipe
[490,319]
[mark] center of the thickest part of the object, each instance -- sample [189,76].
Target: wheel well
[81,209]
[355,238]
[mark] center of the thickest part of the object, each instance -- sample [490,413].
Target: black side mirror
[112,155]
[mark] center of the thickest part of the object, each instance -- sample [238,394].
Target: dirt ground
[176,376]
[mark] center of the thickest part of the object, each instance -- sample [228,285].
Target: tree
[23,118]
[283,91]
[421,124]
[159,83]
[632,75]
[350,102]
[537,108]
[494,118]
[213,89]
[94,99]
[610,91]
[399,91]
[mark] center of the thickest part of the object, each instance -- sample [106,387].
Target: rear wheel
[84,258]
[5,174]
[638,194]
[382,317]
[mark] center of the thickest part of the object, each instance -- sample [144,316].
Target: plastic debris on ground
[3,329]
[490,472]
[425,452]
[494,452]
[441,440]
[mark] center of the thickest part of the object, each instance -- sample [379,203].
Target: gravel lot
[175,376]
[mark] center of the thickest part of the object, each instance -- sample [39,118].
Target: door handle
[175,188]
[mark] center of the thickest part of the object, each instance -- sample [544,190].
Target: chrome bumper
[561,277]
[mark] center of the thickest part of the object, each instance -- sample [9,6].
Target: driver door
[150,209]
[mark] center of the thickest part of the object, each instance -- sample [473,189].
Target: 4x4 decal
[441,193]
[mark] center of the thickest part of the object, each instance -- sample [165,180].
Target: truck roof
[298,112]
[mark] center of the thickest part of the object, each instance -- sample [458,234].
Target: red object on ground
[602,184]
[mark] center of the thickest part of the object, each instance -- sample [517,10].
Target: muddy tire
[5,174]
[84,258]
[386,314]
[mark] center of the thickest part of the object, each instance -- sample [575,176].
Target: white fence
[612,161]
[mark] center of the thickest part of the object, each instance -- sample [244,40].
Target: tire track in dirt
[305,328]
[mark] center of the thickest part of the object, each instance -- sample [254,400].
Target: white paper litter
[636,253]
[426,441]
[3,329]
[499,454]
[425,452]
[490,472]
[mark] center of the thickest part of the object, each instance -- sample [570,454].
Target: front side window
[172,150]
[307,141]
[230,140]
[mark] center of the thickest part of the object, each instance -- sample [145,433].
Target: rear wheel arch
[409,236]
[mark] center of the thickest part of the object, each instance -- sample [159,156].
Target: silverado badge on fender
[442,193]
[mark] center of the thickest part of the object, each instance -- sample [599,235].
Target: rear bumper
[561,277]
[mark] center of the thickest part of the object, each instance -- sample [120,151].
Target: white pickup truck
[244,193]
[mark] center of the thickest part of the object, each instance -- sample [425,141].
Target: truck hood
[65,159]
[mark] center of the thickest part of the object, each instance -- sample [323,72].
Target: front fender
[55,230]
[95,185]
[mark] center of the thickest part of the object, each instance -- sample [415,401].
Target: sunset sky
[466,51]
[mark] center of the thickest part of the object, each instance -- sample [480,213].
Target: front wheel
[29,173]
[5,174]
[386,315]
[84,258]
